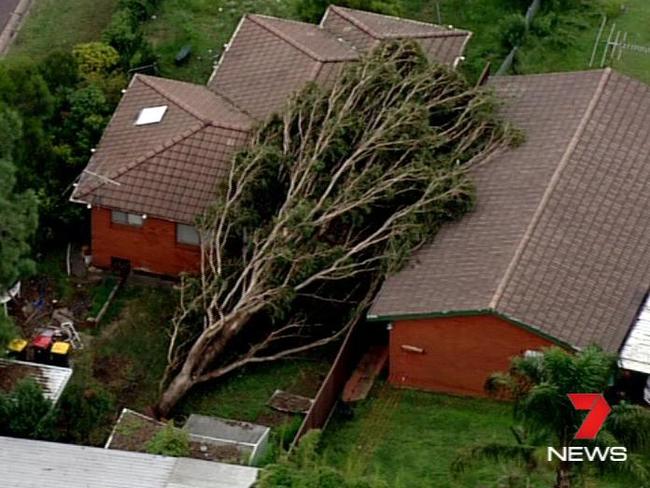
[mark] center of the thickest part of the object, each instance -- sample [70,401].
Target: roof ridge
[346,13]
[148,155]
[260,20]
[498,294]
[164,93]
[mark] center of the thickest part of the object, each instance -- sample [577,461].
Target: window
[151,115]
[187,234]
[124,218]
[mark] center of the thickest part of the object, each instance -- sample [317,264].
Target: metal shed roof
[52,379]
[635,353]
[33,464]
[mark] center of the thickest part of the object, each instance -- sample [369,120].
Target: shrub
[122,33]
[305,468]
[170,441]
[95,59]
[513,30]
[25,412]
[85,413]
[139,9]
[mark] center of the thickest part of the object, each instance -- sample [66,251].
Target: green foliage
[513,30]
[313,10]
[25,412]
[539,386]
[304,468]
[18,221]
[95,59]
[84,406]
[7,331]
[125,35]
[170,441]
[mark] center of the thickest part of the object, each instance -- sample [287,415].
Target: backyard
[411,439]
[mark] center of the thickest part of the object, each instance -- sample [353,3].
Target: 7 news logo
[598,409]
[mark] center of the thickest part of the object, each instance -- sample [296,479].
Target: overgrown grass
[205,25]
[60,24]
[411,438]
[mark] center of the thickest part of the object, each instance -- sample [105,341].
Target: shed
[250,439]
[52,379]
[27,464]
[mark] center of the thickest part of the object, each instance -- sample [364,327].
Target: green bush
[25,412]
[95,59]
[513,30]
[170,441]
[86,413]
[139,9]
[123,34]
[304,468]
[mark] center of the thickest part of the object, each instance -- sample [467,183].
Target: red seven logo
[598,411]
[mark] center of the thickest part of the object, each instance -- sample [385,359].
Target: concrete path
[12,13]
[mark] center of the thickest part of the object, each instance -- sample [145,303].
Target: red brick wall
[151,248]
[459,353]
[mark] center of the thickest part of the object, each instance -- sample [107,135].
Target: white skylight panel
[151,115]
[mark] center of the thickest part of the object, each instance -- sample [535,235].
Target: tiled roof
[560,237]
[168,169]
[364,30]
[268,59]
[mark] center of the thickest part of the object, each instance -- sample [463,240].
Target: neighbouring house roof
[167,169]
[38,463]
[560,237]
[635,353]
[364,30]
[51,379]
[268,59]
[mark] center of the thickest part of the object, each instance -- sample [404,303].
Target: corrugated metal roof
[51,378]
[635,353]
[33,464]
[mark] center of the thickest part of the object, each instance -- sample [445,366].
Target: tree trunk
[563,477]
[203,353]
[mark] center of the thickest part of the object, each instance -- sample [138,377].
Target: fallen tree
[332,194]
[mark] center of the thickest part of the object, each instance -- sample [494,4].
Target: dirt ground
[10,374]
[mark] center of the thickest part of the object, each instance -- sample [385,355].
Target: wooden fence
[331,388]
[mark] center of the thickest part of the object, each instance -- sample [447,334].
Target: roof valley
[512,265]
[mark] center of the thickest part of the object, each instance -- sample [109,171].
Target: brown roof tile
[269,59]
[365,29]
[560,238]
[149,168]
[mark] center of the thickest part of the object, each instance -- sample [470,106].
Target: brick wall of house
[152,247]
[457,353]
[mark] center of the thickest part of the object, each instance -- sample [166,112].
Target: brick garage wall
[151,248]
[458,353]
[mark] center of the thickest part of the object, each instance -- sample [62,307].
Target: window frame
[127,219]
[182,242]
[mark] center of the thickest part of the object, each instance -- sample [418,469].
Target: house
[27,463]
[169,143]
[556,252]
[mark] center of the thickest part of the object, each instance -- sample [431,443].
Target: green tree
[539,386]
[333,193]
[95,59]
[25,412]
[304,468]
[18,221]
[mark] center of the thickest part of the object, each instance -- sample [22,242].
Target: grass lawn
[60,24]
[481,17]
[411,438]
[206,25]
[635,22]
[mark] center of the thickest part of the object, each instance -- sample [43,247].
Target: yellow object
[60,348]
[17,345]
